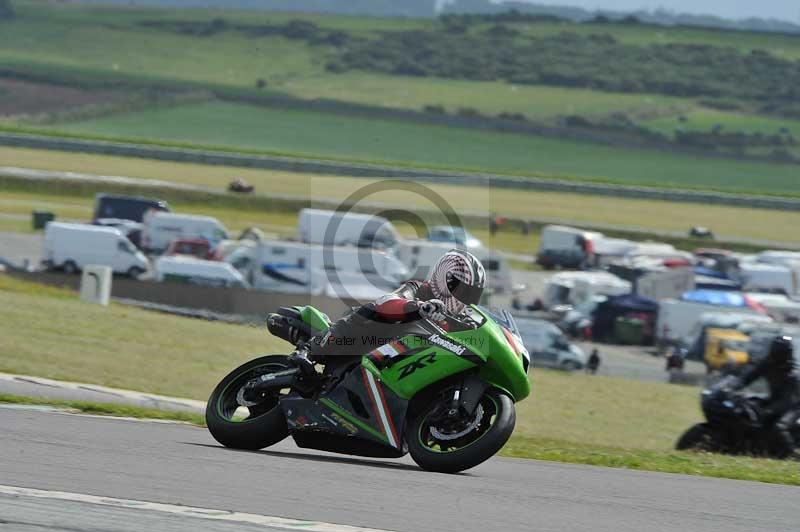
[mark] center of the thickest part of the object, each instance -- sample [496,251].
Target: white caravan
[71,247]
[316,226]
[578,287]
[336,271]
[161,228]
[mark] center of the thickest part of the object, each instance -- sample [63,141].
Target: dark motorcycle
[735,425]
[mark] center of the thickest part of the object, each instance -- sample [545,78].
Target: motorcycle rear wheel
[446,450]
[264,424]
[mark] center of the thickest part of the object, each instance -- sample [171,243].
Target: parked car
[71,247]
[458,236]
[191,270]
[548,347]
[162,228]
[192,247]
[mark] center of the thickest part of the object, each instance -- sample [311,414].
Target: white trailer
[183,269]
[161,228]
[71,247]
[337,271]
[758,276]
[316,226]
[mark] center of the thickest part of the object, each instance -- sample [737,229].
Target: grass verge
[687,463]
[105,409]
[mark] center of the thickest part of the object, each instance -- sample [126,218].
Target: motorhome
[71,247]
[566,247]
[316,226]
[336,271]
[161,228]
[419,256]
[191,270]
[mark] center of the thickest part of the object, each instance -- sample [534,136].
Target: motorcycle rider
[782,373]
[456,280]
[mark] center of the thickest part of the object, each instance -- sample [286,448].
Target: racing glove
[433,310]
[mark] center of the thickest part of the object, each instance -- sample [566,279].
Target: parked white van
[71,247]
[184,269]
[295,267]
[566,247]
[161,228]
[316,226]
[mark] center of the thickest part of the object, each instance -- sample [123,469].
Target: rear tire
[698,437]
[483,447]
[266,424]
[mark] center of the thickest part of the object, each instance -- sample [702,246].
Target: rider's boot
[301,360]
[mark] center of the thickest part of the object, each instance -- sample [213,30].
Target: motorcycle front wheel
[449,444]
[247,427]
[699,437]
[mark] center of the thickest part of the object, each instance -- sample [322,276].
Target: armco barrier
[253,304]
[378,171]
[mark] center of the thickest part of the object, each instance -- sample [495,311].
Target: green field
[645,214]
[339,136]
[785,46]
[92,46]
[573,418]
[492,98]
[731,122]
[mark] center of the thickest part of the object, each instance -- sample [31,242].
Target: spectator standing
[593,363]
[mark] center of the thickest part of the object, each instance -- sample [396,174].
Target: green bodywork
[496,361]
[314,318]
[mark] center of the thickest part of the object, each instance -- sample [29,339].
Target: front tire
[265,424]
[435,449]
[699,437]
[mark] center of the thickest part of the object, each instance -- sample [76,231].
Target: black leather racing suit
[371,325]
[783,406]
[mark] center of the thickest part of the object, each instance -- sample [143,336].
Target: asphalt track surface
[181,465]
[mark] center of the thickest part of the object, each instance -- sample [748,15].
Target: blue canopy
[717,297]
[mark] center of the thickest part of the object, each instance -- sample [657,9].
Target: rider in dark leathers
[782,373]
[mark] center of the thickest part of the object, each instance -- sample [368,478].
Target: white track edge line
[186,511]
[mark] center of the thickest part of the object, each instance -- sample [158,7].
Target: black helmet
[458,279]
[781,351]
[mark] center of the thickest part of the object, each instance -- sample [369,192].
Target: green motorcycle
[444,396]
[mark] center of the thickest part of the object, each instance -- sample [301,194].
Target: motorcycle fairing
[360,407]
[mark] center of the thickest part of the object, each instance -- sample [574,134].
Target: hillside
[590,100]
